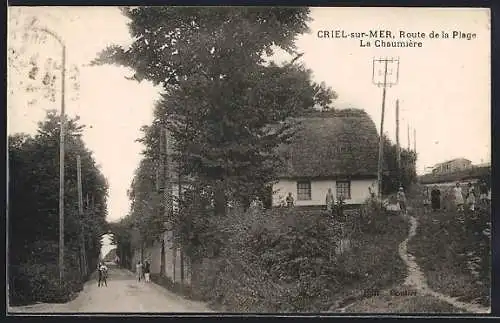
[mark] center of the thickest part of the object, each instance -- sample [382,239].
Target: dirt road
[123,294]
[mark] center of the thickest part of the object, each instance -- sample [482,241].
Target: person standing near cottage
[340,209]
[401,198]
[459,198]
[330,200]
[138,269]
[435,198]
[147,271]
[371,192]
[289,200]
[256,204]
[470,196]
[483,191]
[427,197]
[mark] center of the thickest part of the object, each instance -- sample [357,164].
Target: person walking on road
[401,198]
[103,275]
[138,269]
[147,271]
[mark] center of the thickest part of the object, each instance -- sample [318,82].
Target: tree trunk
[162,257]
[195,276]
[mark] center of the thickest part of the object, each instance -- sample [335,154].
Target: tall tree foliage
[226,108]
[145,202]
[393,177]
[34,207]
[122,239]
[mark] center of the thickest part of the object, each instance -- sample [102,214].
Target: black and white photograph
[248,159]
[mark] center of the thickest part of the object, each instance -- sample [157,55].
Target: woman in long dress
[471,197]
[459,198]
[435,198]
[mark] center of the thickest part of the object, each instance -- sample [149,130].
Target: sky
[443,86]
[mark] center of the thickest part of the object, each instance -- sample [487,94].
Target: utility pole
[179,192]
[160,186]
[415,140]
[168,185]
[80,213]
[409,146]
[61,150]
[398,149]
[384,84]
[168,215]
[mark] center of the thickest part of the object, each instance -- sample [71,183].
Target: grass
[374,260]
[386,303]
[443,247]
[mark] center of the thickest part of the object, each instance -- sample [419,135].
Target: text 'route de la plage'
[387,38]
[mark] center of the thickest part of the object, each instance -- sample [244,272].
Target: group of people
[257,204]
[469,197]
[463,198]
[143,271]
[102,270]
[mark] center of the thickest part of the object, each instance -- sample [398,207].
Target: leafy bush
[284,260]
[37,279]
[33,225]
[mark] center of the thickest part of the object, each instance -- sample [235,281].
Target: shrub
[37,278]
[285,260]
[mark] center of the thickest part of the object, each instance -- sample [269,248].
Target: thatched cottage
[337,150]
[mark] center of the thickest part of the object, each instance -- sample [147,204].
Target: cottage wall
[319,188]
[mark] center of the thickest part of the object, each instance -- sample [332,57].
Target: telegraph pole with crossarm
[385,74]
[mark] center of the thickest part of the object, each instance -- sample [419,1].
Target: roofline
[336,177]
[451,160]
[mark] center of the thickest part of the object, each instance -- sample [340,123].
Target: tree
[122,239]
[145,204]
[33,208]
[394,176]
[227,110]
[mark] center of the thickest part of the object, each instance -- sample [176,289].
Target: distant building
[428,169]
[337,150]
[452,166]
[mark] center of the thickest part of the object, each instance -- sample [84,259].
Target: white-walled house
[337,150]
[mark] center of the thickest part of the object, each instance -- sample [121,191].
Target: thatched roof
[341,143]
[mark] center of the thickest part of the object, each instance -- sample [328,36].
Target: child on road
[147,271]
[138,269]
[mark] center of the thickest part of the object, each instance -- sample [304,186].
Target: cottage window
[303,191]
[344,189]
